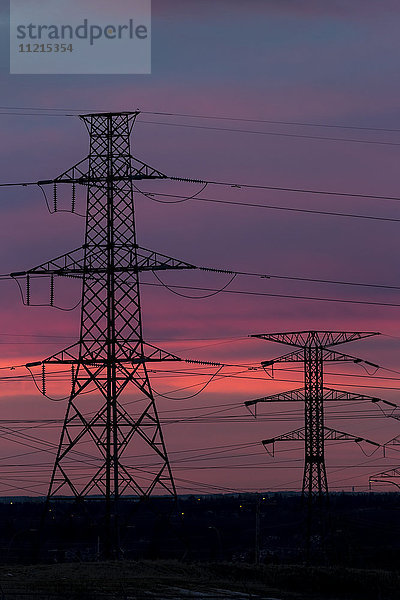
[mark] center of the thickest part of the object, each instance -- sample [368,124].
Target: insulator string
[73,197]
[52,290]
[28,290]
[43,379]
[55,197]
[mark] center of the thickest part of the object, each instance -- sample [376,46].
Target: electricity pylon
[313,352]
[111,354]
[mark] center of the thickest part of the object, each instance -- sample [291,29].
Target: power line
[286,189]
[44,108]
[237,185]
[288,296]
[202,116]
[34,114]
[272,133]
[277,207]
[6,277]
[235,130]
[215,291]
[297,210]
[165,374]
[308,279]
[269,121]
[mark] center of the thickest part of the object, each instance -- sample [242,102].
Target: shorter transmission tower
[313,349]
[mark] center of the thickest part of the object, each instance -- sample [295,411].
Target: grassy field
[174,580]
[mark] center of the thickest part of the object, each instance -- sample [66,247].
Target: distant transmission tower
[111,355]
[391,476]
[313,351]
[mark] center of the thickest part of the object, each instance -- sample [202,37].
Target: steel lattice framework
[314,351]
[111,355]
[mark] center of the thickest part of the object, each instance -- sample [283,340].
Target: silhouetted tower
[313,351]
[111,355]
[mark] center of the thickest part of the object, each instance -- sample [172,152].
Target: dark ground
[161,580]
[206,549]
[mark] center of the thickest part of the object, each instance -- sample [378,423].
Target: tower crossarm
[67,356]
[394,441]
[290,339]
[70,263]
[334,356]
[291,396]
[128,355]
[148,260]
[334,338]
[332,394]
[334,434]
[314,338]
[391,476]
[129,258]
[389,473]
[80,173]
[301,434]
[141,170]
[298,395]
[296,434]
[296,356]
[327,355]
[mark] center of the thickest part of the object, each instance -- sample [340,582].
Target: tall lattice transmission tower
[313,349]
[111,355]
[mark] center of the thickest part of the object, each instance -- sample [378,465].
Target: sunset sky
[303,63]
